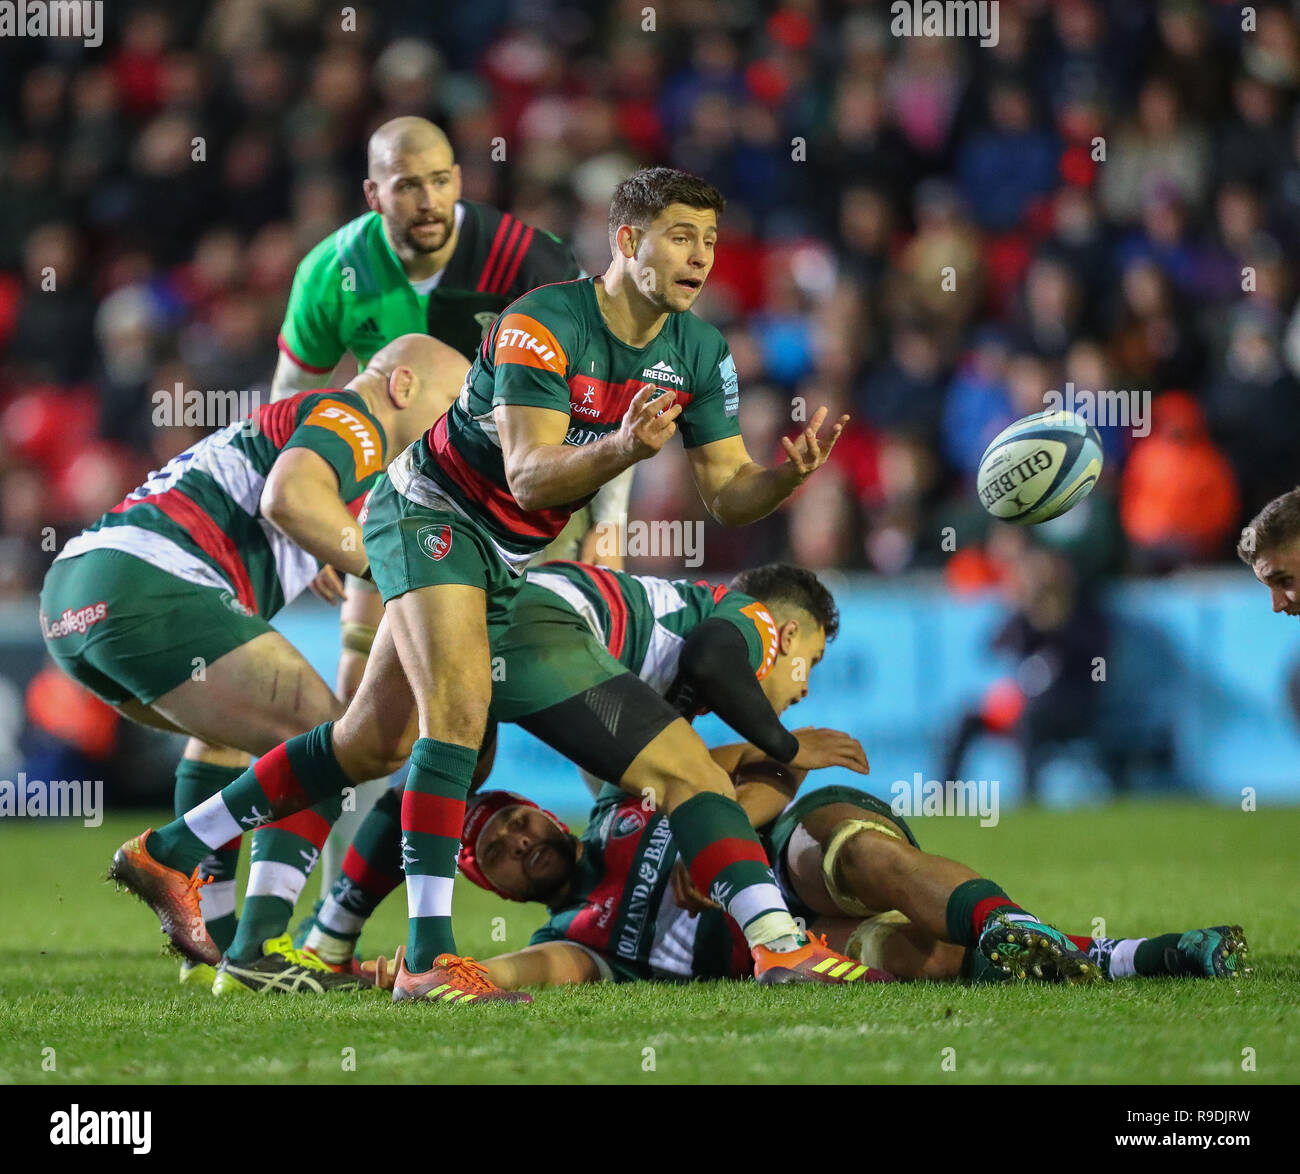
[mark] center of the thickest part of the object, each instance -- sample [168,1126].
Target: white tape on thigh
[840,836]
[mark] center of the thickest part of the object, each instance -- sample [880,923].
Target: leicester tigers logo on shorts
[435,541]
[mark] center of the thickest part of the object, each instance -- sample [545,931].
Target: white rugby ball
[1039,467]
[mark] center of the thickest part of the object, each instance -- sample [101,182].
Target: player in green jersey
[845,862]
[423,259]
[576,628]
[666,649]
[576,383]
[161,608]
[623,907]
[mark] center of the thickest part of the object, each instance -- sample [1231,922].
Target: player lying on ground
[622,907]
[577,382]
[748,655]
[599,664]
[422,260]
[161,608]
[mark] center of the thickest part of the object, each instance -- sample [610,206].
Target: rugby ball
[1039,467]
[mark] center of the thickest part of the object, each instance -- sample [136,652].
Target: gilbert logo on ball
[1039,467]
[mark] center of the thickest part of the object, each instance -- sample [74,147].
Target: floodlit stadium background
[857,165]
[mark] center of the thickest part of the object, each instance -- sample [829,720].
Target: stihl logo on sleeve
[766,626]
[355,429]
[526,342]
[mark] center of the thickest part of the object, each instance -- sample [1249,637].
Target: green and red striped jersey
[620,906]
[350,292]
[199,517]
[643,621]
[552,349]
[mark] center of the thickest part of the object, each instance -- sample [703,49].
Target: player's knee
[876,842]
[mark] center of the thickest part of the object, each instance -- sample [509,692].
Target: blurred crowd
[926,233]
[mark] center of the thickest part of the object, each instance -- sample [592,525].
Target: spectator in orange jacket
[1178,498]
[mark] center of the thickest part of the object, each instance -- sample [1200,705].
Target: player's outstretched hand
[648,423]
[382,972]
[328,585]
[820,748]
[809,452]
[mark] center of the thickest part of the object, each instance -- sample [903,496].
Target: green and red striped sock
[282,858]
[196,781]
[433,815]
[972,903]
[372,868]
[296,774]
[727,862]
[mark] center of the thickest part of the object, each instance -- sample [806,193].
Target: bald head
[409,383]
[400,137]
[419,352]
[414,184]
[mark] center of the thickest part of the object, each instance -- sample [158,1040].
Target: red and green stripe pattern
[206,501]
[433,814]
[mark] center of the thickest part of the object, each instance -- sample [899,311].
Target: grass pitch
[80,973]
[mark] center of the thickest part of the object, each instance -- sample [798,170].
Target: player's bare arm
[289,378]
[544,472]
[737,490]
[358,622]
[301,497]
[545,964]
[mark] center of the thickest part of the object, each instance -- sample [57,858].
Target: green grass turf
[80,973]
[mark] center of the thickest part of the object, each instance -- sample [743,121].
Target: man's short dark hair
[641,197]
[781,583]
[1276,525]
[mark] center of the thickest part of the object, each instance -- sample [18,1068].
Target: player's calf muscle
[457,709]
[365,754]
